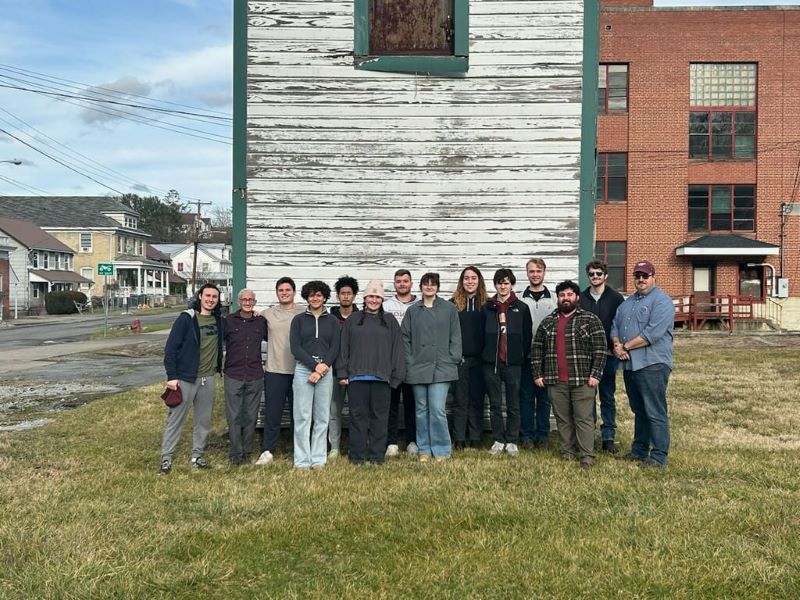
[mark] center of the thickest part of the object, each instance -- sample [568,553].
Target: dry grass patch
[85,515]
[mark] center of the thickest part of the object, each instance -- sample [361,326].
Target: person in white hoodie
[397,306]
[534,404]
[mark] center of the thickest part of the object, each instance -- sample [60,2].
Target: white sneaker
[412,448]
[512,449]
[497,448]
[392,450]
[265,458]
[334,453]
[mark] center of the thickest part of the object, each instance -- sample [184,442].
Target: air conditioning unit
[86,248]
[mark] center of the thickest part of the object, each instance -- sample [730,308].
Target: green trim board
[591,51]
[458,62]
[239,195]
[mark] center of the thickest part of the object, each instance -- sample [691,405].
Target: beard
[566,307]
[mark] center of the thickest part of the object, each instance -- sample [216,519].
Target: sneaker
[425,458]
[318,467]
[567,456]
[334,453]
[649,463]
[497,448]
[392,450]
[512,449]
[166,467]
[610,446]
[412,448]
[265,458]
[586,462]
[199,463]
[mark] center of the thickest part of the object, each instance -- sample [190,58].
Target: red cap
[644,266]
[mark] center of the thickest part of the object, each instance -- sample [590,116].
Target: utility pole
[198,224]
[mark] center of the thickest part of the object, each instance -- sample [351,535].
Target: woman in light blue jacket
[432,337]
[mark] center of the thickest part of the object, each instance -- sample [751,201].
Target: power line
[23,186]
[62,163]
[113,92]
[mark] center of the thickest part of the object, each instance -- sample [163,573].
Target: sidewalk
[97,316]
[40,356]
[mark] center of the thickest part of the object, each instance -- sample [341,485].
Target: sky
[173,55]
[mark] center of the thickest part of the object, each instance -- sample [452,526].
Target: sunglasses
[641,275]
[595,273]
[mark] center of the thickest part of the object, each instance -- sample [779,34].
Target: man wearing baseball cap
[642,338]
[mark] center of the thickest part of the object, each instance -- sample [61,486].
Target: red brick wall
[658,46]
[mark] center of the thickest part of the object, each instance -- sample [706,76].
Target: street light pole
[13,161]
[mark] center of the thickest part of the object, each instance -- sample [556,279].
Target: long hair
[460,297]
[380,314]
[217,310]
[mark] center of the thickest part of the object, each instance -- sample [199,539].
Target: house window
[613,254]
[417,36]
[35,259]
[67,262]
[722,134]
[86,242]
[88,273]
[612,177]
[140,246]
[722,207]
[612,88]
[45,260]
[205,267]
[180,266]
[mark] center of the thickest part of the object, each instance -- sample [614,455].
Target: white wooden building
[347,170]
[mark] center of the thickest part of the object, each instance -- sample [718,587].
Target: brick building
[698,146]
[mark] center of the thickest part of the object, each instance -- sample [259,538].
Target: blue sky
[173,51]
[176,51]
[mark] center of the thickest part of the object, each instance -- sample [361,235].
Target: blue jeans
[534,408]
[608,406]
[433,438]
[647,395]
[311,402]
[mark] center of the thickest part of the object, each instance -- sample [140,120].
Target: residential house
[192,225]
[99,230]
[177,284]
[362,146]
[39,263]
[5,275]
[213,265]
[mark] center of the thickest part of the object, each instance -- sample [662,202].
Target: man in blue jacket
[642,338]
[192,356]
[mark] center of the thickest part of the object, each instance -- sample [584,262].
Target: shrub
[63,303]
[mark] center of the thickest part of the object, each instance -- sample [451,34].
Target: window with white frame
[88,273]
[86,242]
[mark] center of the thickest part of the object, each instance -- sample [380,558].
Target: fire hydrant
[136,326]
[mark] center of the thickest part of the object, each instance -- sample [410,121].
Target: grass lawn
[85,515]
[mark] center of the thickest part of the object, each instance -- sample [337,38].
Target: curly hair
[312,287]
[346,281]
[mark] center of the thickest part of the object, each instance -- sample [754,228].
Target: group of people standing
[541,349]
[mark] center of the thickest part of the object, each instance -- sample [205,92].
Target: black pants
[468,394]
[242,400]
[508,375]
[277,390]
[369,413]
[409,415]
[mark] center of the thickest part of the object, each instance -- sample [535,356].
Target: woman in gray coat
[432,338]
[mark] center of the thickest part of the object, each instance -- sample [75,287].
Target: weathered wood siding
[363,172]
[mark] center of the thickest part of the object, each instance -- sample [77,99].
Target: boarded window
[409,27]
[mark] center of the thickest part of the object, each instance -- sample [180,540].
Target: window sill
[695,160]
[427,65]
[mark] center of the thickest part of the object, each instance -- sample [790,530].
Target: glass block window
[722,84]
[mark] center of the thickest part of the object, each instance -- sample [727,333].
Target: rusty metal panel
[402,27]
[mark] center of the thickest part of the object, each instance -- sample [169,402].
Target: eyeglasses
[595,273]
[248,300]
[641,275]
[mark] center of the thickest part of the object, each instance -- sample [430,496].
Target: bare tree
[221,216]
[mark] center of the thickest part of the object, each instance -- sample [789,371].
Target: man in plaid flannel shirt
[569,353]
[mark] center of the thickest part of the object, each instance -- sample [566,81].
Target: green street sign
[105,269]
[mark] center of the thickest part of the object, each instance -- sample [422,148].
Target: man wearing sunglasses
[642,338]
[602,300]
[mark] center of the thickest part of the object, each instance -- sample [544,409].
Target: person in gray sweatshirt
[371,363]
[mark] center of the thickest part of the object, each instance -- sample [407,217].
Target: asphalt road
[34,331]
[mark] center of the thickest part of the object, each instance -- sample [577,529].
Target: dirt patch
[689,339]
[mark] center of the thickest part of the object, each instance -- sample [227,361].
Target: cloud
[216,100]
[124,89]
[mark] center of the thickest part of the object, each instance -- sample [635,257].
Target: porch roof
[726,244]
[42,276]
